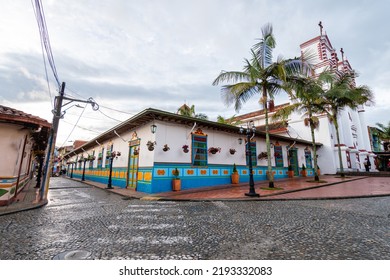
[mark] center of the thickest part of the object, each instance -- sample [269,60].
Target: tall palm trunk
[313,138]
[267,141]
[336,125]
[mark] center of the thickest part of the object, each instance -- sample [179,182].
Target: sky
[129,55]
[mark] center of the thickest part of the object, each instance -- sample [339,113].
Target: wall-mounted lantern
[153,128]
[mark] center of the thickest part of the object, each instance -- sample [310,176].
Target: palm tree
[340,94]
[232,120]
[260,76]
[185,110]
[304,91]
[384,134]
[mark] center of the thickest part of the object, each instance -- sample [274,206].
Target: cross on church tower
[320,25]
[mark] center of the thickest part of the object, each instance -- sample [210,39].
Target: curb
[261,198]
[27,208]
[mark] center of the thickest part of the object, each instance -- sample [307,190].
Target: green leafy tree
[260,75]
[188,111]
[340,93]
[232,120]
[305,91]
[384,134]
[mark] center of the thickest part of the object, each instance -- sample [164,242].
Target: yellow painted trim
[148,176]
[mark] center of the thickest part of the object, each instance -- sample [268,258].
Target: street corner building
[154,148]
[22,138]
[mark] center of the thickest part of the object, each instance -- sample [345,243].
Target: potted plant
[232,151]
[91,158]
[151,145]
[185,148]
[290,171]
[214,150]
[235,176]
[176,182]
[115,154]
[303,171]
[166,148]
[262,155]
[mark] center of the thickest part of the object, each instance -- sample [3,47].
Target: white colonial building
[154,143]
[21,135]
[354,134]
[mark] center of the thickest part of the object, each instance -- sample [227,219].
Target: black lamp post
[250,132]
[71,174]
[112,156]
[67,169]
[83,177]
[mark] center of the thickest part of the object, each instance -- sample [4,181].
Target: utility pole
[53,135]
[52,143]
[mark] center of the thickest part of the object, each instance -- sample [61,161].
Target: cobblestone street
[109,226]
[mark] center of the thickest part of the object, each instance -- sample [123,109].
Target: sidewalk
[331,187]
[25,200]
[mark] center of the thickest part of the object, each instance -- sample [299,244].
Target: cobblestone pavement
[108,226]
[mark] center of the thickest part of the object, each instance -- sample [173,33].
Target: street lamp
[250,132]
[71,174]
[85,161]
[113,155]
[153,128]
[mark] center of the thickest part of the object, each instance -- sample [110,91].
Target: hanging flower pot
[166,148]
[185,148]
[262,155]
[232,151]
[214,150]
[150,145]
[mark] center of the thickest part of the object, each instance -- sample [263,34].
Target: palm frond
[265,46]
[284,112]
[231,76]
[238,94]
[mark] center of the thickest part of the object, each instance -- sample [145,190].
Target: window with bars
[199,150]
[109,151]
[251,155]
[308,159]
[100,159]
[278,153]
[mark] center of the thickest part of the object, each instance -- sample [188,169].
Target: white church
[354,134]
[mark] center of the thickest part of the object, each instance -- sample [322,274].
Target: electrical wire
[44,63]
[100,111]
[94,131]
[44,36]
[74,126]
[108,108]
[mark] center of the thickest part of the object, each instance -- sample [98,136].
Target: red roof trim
[11,115]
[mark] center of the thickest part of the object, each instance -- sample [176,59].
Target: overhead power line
[84,128]
[44,36]
[102,106]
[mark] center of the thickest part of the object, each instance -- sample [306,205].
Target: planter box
[235,178]
[176,184]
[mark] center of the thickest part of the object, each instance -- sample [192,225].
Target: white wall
[12,139]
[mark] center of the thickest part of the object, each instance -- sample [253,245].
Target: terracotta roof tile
[8,114]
